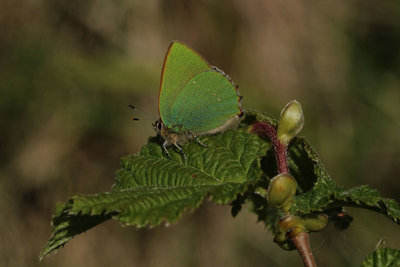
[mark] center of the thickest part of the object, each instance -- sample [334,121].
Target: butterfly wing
[207,101]
[181,64]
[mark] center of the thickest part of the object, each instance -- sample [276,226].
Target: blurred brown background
[69,69]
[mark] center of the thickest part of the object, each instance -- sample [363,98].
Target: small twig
[302,243]
[300,240]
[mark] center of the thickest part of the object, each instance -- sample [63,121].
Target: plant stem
[300,240]
[302,243]
[281,157]
[266,129]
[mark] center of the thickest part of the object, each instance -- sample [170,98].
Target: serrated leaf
[304,164]
[66,226]
[383,257]
[152,188]
[326,195]
[253,116]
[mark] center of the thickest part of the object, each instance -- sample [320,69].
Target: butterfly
[195,98]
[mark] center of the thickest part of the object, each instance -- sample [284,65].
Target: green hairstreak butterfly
[194,99]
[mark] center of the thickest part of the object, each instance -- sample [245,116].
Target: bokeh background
[69,69]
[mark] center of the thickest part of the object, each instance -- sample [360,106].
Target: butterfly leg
[165,148]
[198,141]
[180,150]
[193,136]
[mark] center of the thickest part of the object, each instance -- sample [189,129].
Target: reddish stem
[266,129]
[302,243]
[281,157]
[300,240]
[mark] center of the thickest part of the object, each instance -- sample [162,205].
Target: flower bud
[315,222]
[288,227]
[288,223]
[284,242]
[281,190]
[295,231]
[290,122]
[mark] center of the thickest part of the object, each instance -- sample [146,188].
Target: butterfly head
[163,130]
[158,126]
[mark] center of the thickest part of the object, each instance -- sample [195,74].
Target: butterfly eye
[158,125]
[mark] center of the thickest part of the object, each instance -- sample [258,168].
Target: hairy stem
[281,157]
[266,129]
[300,240]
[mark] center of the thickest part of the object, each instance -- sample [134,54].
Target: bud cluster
[282,188]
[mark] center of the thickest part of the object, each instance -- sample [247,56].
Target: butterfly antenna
[147,115]
[134,108]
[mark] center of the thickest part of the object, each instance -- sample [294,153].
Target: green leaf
[253,116]
[304,164]
[152,188]
[325,194]
[383,257]
[67,226]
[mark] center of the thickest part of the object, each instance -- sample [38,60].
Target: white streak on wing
[230,124]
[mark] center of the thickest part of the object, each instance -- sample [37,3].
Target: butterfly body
[195,98]
[172,137]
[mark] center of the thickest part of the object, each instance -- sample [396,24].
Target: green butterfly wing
[207,101]
[180,66]
[193,96]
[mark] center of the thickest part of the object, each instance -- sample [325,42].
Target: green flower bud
[291,122]
[296,231]
[315,222]
[284,242]
[286,224]
[281,190]
[288,227]
[280,238]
